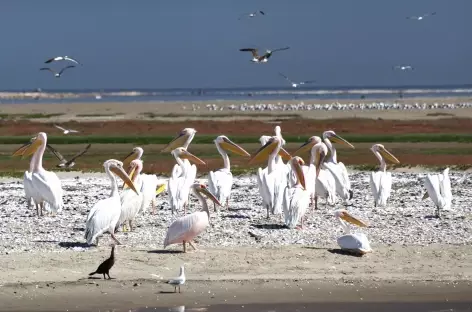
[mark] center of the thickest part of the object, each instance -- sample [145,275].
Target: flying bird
[57,74]
[252,14]
[421,17]
[296,84]
[105,266]
[64,163]
[66,131]
[263,58]
[62,58]
[178,281]
[403,67]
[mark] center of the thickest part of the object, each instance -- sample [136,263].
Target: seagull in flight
[62,58]
[403,67]
[421,17]
[263,58]
[66,131]
[296,84]
[252,14]
[57,74]
[64,163]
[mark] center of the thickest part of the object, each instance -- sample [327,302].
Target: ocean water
[237,94]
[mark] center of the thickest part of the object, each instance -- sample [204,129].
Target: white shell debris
[406,220]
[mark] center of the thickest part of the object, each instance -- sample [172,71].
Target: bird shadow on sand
[73,244]
[429,217]
[45,241]
[234,216]
[273,226]
[165,251]
[167,292]
[315,248]
[238,209]
[345,253]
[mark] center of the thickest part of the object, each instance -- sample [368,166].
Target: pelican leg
[316,202]
[96,244]
[179,289]
[185,247]
[193,246]
[131,227]
[268,215]
[185,208]
[227,203]
[42,206]
[114,238]
[175,288]
[214,207]
[153,206]
[37,209]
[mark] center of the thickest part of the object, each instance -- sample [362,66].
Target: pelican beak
[176,142]
[21,150]
[306,147]
[349,218]
[129,158]
[161,188]
[131,175]
[192,158]
[212,197]
[284,154]
[230,146]
[336,138]
[386,154]
[319,160]
[263,152]
[299,172]
[123,176]
[32,147]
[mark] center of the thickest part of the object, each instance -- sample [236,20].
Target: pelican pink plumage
[186,228]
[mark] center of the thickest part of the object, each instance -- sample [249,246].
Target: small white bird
[66,131]
[57,74]
[178,281]
[403,67]
[252,14]
[62,58]
[296,84]
[421,17]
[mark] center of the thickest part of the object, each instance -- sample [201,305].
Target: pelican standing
[381,180]
[343,184]
[438,187]
[179,186]
[131,202]
[353,242]
[273,182]
[186,228]
[43,186]
[221,181]
[105,214]
[296,198]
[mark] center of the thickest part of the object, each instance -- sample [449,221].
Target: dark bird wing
[56,153]
[62,70]
[252,50]
[286,78]
[51,60]
[280,49]
[308,81]
[262,12]
[80,153]
[47,68]
[430,14]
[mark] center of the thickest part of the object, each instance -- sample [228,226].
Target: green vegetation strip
[208,139]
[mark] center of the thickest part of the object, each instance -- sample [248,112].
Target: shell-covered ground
[407,219]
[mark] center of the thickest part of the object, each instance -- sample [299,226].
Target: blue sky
[186,43]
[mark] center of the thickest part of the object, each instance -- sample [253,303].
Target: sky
[195,44]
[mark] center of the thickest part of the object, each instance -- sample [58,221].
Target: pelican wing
[381,185]
[103,217]
[344,175]
[149,185]
[48,186]
[130,203]
[220,183]
[356,242]
[445,188]
[432,186]
[262,187]
[295,204]
[341,188]
[326,186]
[310,179]
[185,227]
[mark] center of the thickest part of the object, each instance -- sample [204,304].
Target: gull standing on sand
[381,180]
[220,181]
[105,214]
[263,58]
[438,187]
[66,131]
[62,58]
[296,84]
[45,185]
[252,14]
[420,17]
[179,280]
[57,74]
[64,163]
[352,242]
[186,228]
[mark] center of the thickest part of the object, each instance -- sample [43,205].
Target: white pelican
[46,185]
[343,184]
[66,131]
[59,73]
[131,202]
[381,180]
[179,185]
[62,58]
[256,58]
[319,181]
[438,188]
[273,181]
[221,181]
[186,228]
[105,214]
[296,198]
[356,242]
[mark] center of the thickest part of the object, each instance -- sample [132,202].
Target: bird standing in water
[106,265]
[180,280]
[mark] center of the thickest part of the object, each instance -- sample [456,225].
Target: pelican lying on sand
[381,180]
[438,188]
[186,228]
[353,242]
[105,214]
[220,181]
